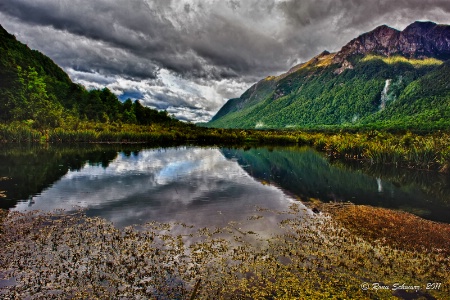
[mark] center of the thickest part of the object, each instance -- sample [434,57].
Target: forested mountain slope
[382,79]
[34,90]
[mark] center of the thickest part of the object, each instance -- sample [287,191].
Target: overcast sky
[190,56]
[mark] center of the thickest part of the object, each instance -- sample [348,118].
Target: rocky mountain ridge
[418,40]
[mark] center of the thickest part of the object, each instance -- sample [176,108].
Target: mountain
[384,78]
[34,90]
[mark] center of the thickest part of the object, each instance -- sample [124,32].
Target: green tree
[34,104]
[128,114]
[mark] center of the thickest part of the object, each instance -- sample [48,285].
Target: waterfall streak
[384,94]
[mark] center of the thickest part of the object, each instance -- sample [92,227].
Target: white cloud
[187,100]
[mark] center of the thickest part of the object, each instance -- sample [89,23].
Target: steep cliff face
[419,40]
[425,39]
[346,88]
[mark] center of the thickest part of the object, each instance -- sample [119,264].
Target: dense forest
[378,92]
[37,92]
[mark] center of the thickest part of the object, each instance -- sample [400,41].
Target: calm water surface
[204,186]
[192,185]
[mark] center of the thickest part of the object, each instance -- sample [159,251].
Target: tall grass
[17,133]
[429,151]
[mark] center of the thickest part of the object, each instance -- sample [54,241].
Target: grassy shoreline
[428,151]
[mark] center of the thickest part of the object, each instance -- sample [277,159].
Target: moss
[397,59]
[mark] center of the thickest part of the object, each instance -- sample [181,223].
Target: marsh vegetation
[430,151]
[315,257]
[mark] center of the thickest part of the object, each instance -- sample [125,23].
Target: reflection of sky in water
[172,171]
[192,185]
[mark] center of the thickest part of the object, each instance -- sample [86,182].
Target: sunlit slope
[385,87]
[424,102]
[316,95]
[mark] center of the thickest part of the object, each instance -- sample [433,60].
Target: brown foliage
[395,228]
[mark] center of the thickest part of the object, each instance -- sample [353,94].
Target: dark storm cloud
[352,14]
[108,27]
[330,24]
[214,40]
[219,47]
[199,44]
[163,99]
[83,54]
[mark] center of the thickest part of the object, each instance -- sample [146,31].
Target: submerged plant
[72,256]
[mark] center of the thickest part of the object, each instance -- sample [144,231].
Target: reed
[17,133]
[429,151]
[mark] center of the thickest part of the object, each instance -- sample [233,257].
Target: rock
[420,39]
[345,65]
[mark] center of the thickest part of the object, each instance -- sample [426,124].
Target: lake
[205,186]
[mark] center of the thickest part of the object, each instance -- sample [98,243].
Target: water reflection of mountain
[28,170]
[306,174]
[433,184]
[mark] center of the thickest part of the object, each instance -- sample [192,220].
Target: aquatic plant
[72,256]
[394,228]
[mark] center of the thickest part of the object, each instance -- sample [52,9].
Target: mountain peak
[419,39]
[323,53]
[379,41]
[382,28]
[418,26]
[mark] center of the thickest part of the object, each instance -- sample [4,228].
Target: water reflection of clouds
[191,185]
[172,171]
[162,163]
